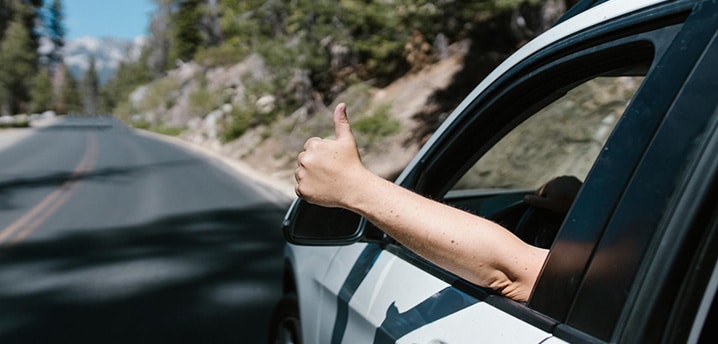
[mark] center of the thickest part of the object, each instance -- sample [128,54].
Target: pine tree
[160,41]
[27,12]
[18,61]
[5,16]
[41,92]
[187,38]
[129,75]
[91,88]
[55,32]
[211,28]
[70,101]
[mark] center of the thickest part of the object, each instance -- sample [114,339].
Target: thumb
[341,122]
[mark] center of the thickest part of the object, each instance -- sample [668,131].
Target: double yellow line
[28,223]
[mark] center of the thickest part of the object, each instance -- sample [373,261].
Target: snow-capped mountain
[108,52]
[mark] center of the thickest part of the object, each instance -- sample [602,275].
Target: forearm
[330,173]
[472,247]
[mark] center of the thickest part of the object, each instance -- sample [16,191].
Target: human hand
[556,195]
[328,170]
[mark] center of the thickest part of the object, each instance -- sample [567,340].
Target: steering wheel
[533,225]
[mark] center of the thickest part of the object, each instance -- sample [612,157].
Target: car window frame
[668,160]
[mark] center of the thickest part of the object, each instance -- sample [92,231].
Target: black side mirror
[309,224]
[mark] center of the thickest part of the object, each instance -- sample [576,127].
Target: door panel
[429,310]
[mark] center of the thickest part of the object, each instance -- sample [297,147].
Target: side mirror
[309,224]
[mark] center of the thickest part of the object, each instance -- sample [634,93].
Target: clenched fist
[329,169]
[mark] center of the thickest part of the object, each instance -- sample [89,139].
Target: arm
[330,173]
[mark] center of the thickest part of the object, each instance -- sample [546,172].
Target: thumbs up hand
[330,169]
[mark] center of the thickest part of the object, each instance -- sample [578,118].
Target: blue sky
[107,18]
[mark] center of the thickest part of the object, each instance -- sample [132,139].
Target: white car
[621,94]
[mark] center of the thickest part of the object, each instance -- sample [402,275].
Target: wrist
[358,194]
[367,192]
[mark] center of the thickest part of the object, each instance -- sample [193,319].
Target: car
[621,94]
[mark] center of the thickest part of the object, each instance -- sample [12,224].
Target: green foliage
[378,125]
[18,123]
[41,93]
[18,61]
[26,13]
[301,33]
[70,101]
[186,30]
[128,77]
[166,130]
[228,53]
[202,101]
[337,43]
[239,122]
[124,111]
[248,115]
[55,31]
[160,94]
[91,88]
[140,124]
[157,128]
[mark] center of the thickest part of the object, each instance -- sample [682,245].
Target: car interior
[563,138]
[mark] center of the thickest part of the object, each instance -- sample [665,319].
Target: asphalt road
[107,236]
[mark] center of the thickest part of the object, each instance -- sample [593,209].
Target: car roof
[583,15]
[579,7]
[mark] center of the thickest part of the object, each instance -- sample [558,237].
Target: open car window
[563,138]
[551,115]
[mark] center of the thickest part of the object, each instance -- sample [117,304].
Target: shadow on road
[209,277]
[55,179]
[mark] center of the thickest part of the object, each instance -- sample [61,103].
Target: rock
[266,104]
[210,123]
[138,95]
[194,123]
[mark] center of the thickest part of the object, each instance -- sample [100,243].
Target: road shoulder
[11,136]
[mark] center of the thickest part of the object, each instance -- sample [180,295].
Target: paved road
[110,236]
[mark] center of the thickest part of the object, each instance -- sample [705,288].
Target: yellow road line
[33,219]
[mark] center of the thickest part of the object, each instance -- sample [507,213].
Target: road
[108,236]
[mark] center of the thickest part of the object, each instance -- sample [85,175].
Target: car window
[563,138]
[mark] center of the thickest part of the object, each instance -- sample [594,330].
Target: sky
[106,18]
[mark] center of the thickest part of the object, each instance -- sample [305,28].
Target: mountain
[108,52]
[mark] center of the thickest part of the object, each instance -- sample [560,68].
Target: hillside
[261,112]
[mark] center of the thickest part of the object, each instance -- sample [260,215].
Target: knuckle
[312,143]
[303,161]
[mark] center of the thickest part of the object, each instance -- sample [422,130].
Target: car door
[648,273]
[595,91]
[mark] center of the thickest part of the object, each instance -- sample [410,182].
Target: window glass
[563,138]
